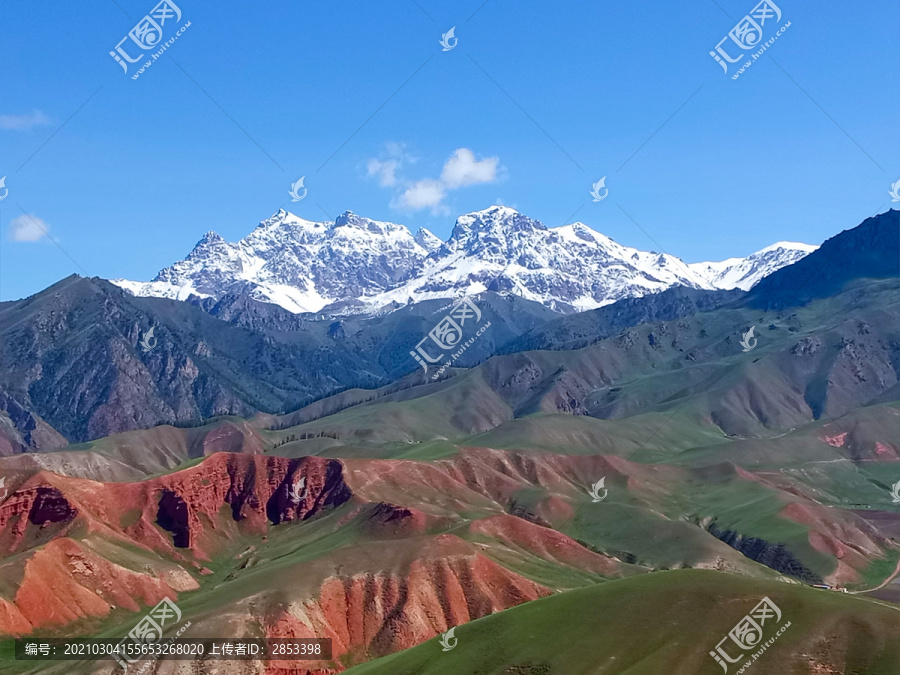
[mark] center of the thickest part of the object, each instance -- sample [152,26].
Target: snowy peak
[489,217]
[298,264]
[580,234]
[496,220]
[356,264]
[351,220]
[788,246]
[210,238]
[209,243]
[427,240]
[498,233]
[744,273]
[348,218]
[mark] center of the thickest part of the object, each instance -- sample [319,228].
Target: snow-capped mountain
[298,264]
[358,264]
[744,273]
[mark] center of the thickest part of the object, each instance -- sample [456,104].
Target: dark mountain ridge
[73,368]
[869,251]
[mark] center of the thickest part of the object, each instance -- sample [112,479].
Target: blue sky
[360,99]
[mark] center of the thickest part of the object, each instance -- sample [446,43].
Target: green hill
[663,624]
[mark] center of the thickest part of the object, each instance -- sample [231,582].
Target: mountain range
[358,265]
[73,368]
[572,475]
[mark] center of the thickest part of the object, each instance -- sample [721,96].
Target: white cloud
[27,228]
[463,169]
[24,122]
[423,194]
[386,171]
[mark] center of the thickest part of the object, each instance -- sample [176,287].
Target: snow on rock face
[296,263]
[744,273]
[305,266]
[427,240]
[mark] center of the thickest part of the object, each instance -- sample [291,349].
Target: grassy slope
[665,622]
[660,532]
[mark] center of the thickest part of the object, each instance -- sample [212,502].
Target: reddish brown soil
[377,613]
[851,540]
[544,543]
[885,451]
[399,522]
[423,581]
[63,580]
[836,440]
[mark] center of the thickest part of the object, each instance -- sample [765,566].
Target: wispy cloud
[385,169]
[27,228]
[462,169]
[25,121]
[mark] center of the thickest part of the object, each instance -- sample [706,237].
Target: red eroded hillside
[546,543]
[257,489]
[447,582]
[376,554]
[51,524]
[56,522]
